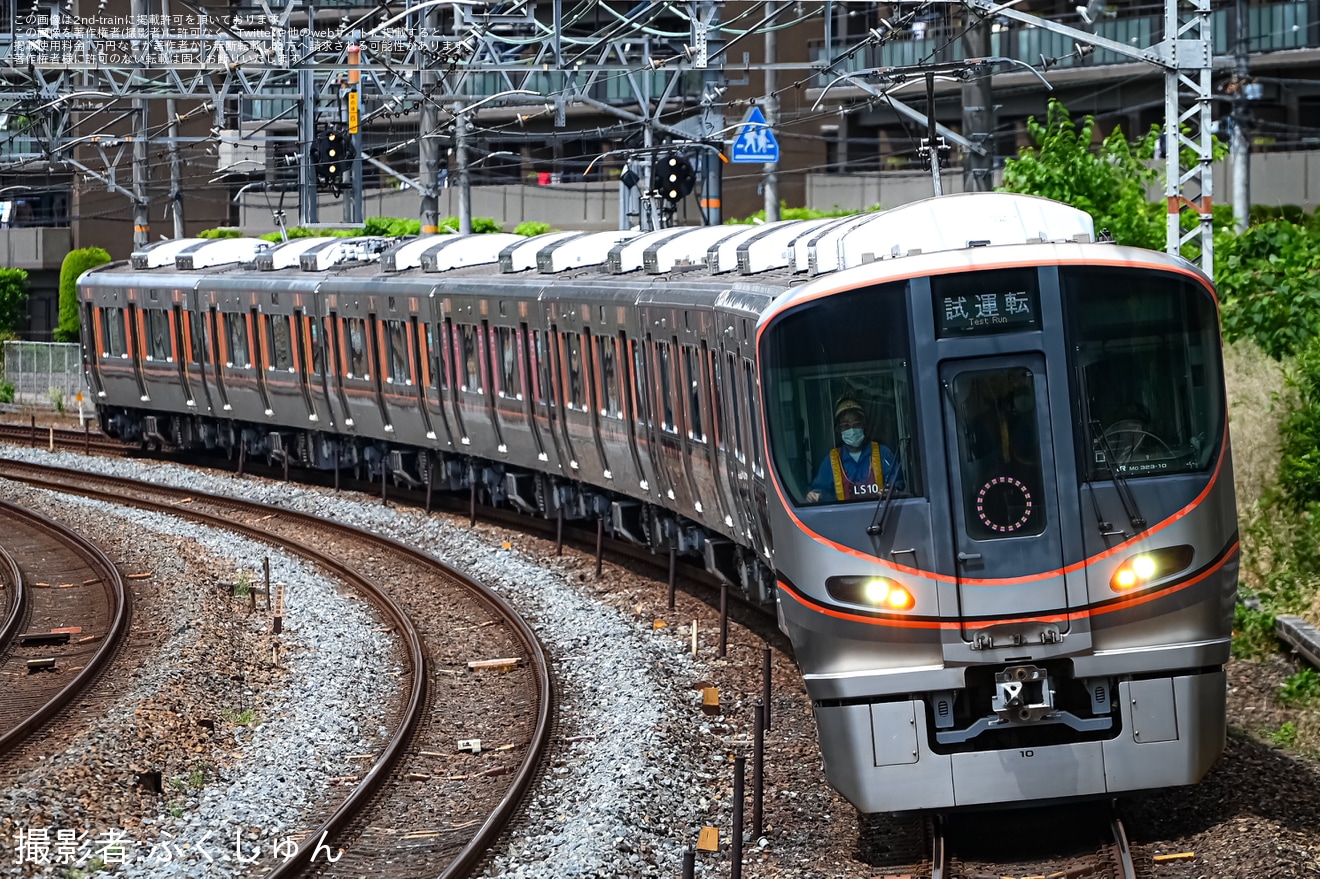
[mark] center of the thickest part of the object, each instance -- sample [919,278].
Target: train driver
[849,471]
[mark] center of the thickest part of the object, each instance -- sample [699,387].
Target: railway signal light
[331,152]
[673,178]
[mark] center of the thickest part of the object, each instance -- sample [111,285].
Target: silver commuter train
[1033,602]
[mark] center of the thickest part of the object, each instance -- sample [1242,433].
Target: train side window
[692,384]
[577,398]
[709,369]
[396,343]
[609,377]
[112,331]
[359,364]
[279,343]
[158,334]
[664,364]
[469,369]
[506,353]
[754,421]
[236,334]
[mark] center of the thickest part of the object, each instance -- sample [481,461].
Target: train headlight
[1154,565]
[879,592]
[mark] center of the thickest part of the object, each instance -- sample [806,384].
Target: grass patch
[1253,633]
[246,717]
[1286,735]
[1301,690]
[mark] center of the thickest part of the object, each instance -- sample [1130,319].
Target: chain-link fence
[45,373]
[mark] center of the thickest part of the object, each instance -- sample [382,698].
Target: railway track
[411,812]
[66,614]
[1005,845]
[86,439]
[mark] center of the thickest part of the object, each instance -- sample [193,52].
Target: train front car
[1004,522]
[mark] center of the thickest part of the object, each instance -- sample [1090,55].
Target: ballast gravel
[238,793]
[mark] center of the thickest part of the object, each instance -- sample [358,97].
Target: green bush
[221,232]
[1299,459]
[75,263]
[1286,736]
[392,226]
[6,392]
[13,299]
[531,227]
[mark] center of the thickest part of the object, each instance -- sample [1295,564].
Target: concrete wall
[1276,178]
[34,248]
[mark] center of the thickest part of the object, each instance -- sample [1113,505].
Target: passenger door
[1004,497]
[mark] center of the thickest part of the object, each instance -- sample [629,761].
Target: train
[975,460]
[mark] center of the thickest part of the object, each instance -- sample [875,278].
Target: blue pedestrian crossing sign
[755,141]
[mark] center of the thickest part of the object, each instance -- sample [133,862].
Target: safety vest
[845,489]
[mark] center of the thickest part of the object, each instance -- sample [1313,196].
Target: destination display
[970,314]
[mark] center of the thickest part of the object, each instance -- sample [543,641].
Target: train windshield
[838,391]
[1147,348]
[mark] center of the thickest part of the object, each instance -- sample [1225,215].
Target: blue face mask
[854,437]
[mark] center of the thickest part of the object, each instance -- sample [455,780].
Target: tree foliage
[13,298]
[75,263]
[1108,181]
[1268,279]
[531,227]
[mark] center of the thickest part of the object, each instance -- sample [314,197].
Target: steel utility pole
[1239,146]
[176,181]
[428,146]
[141,134]
[713,81]
[307,207]
[353,202]
[979,117]
[770,182]
[461,164]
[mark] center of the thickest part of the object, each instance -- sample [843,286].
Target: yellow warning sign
[353,112]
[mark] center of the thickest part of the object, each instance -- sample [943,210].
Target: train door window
[692,387]
[237,337]
[709,369]
[435,357]
[537,355]
[752,402]
[577,395]
[732,385]
[332,333]
[641,383]
[279,342]
[196,339]
[355,338]
[314,342]
[506,356]
[158,334]
[612,404]
[664,364]
[469,372]
[112,332]
[396,346]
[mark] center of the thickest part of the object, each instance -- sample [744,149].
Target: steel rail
[114,636]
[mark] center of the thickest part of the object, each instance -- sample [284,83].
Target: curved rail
[114,634]
[471,855]
[9,631]
[1122,851]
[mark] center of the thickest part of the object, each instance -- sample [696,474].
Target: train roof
[773,253]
